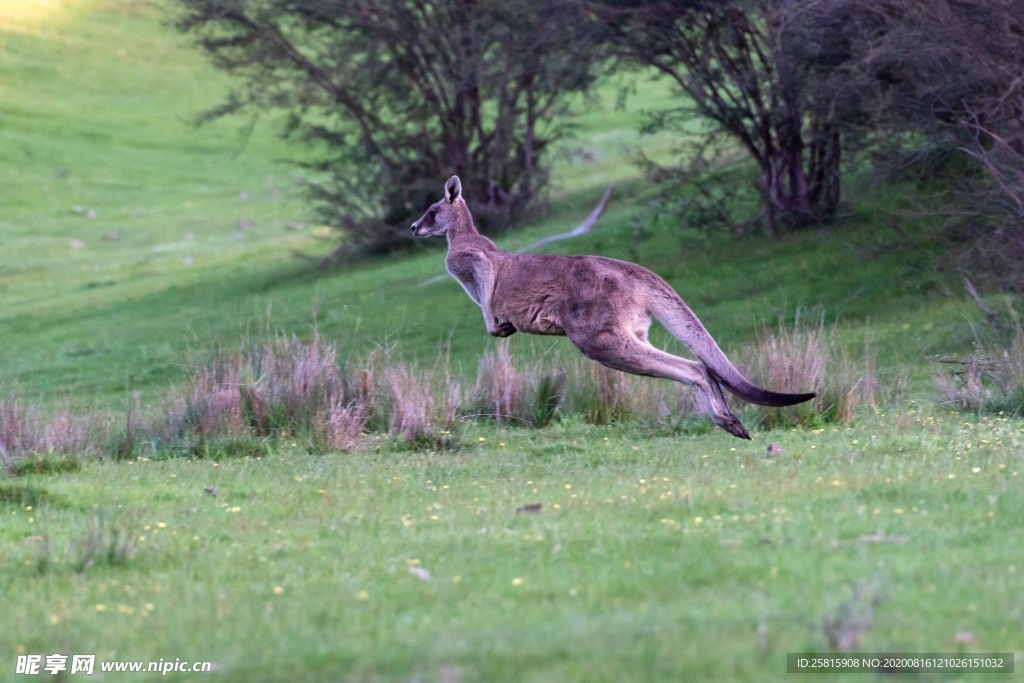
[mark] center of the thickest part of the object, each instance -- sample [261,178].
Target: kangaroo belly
[531,317]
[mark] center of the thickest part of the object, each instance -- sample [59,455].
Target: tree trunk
[801,183]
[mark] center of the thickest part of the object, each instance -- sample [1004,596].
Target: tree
[390,96]
[766,73]
[949,81]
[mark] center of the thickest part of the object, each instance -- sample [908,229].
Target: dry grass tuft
[501,387]
[423,405]
[990,381]
[537,392]
[803,358]
[30,439]
[271,388]
[606,396]
[343,427]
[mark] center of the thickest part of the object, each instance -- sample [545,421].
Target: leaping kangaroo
[602,305]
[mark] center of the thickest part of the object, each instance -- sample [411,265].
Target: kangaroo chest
[467,269]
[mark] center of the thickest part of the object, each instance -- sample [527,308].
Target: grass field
[135,246]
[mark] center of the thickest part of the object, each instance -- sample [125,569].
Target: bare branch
[583,228]
[990,315]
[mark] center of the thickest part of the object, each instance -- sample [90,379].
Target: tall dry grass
[605,396]
[278,387]
[520,390]
[805,357]
[281,387]
[285,387]
[517,390]
[991,380]
[27,434]
[502,385]
[422,404]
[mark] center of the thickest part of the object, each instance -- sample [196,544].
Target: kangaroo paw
[504,329]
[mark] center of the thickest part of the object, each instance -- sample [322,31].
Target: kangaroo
[604,306]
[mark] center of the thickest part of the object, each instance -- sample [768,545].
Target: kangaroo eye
[433,214]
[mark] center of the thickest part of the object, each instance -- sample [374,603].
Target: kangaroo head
[441,216]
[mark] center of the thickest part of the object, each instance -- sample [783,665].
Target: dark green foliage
[548,397]
[21,494]
[46,463]
[767,75]
[1009,403]
[947,81]
[106,542]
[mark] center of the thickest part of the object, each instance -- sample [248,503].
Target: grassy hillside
[133,243]
[130,234]
[114,198]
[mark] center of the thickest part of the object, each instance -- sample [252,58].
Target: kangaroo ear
[452,189]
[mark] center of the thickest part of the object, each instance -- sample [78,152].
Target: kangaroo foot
[731,424]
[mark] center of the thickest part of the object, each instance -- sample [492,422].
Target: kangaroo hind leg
[627,353]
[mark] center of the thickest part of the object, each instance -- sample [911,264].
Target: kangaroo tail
[672,312]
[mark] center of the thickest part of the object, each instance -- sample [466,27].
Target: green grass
[298,569]
[651,559]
